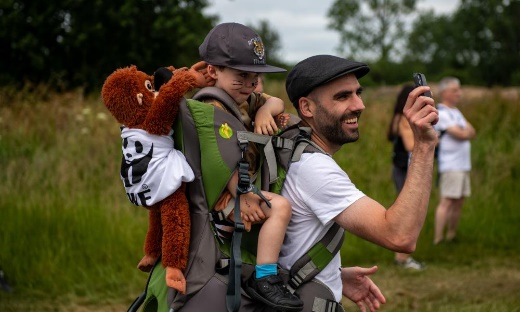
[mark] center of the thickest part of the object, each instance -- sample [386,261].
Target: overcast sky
[301,24]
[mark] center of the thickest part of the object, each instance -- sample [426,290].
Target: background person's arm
[466,133]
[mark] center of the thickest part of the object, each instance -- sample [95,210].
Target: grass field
[70,240]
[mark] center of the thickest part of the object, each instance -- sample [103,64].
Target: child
[235,56]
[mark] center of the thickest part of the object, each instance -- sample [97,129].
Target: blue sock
[264,270]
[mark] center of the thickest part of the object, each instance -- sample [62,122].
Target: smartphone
[420,80]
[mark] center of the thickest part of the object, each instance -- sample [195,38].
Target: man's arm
[398,227]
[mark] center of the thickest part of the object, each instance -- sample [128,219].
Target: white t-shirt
[454,154]
[151,169]
[318,190]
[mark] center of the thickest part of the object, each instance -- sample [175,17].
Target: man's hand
[422,115]
[360,289]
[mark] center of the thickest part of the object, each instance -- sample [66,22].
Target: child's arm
[264,121]
[249,203]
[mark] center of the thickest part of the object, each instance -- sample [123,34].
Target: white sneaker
[411,263]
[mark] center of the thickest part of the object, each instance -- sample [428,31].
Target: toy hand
[175,279]
[200,72]
[146,264]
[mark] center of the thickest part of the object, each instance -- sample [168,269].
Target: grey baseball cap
[318,70]
[236,46]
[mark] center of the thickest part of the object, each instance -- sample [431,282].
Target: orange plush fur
[129,95]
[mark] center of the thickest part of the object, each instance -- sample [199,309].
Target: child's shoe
[271,291]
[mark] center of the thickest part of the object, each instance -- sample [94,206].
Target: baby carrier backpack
[214,142]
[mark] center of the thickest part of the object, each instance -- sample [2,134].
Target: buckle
[239,227]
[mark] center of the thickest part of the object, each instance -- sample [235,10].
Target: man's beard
[330,127]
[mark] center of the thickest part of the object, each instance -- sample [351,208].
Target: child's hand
[264,123]
[200,72]
[250,208]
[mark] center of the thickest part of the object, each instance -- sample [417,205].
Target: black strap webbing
[244,186]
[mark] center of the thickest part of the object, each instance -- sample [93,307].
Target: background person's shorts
[455,184]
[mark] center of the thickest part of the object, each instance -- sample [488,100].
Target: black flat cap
[318,70]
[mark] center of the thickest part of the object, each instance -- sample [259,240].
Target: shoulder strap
[317,258]
[279,152]
[221,96]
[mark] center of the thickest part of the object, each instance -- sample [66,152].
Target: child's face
[238,84]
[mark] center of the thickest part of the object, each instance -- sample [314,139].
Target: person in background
[401,135]
[454,160]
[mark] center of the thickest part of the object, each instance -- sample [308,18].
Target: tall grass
[66,230]
[69,236]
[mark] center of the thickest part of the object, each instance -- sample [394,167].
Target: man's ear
[306,107]
[212,71]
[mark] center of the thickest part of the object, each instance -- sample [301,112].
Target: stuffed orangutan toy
[152,171]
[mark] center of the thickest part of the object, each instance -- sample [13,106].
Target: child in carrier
[235,56]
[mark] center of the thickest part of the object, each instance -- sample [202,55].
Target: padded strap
[266,140]
[221,96]
[325,305]
[317,258]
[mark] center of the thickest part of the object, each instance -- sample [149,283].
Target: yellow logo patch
[225,131]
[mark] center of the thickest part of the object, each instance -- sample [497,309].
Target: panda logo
[134,163]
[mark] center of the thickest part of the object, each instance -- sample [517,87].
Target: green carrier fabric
[209,138]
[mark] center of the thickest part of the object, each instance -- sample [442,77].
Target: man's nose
[358,103]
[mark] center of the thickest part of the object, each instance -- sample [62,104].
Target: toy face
[148,86]
[128,94]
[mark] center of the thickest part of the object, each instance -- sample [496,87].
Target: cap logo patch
[258,49]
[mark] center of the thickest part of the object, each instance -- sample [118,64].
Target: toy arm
[165,108]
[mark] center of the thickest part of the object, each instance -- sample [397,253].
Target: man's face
[452,94]
[337,108]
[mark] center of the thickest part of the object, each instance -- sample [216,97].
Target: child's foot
[271,291]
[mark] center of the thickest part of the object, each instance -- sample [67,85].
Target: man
[327,95]
[454,162]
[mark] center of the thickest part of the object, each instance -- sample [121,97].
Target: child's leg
[265,285]
[272,233]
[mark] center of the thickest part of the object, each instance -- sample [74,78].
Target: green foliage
[79,43]
[369,27]
[66,229]
[479,43]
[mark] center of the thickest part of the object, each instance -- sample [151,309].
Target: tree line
[78,43]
